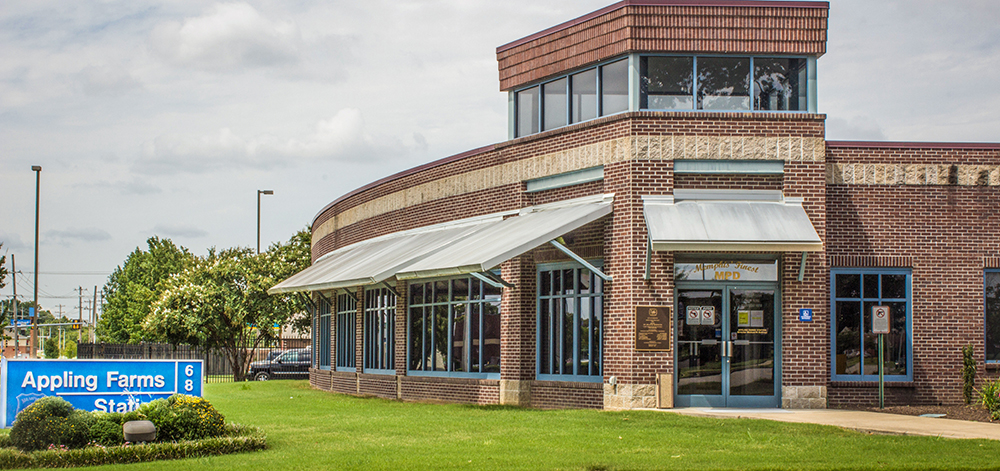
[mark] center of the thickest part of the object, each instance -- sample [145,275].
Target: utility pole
[60,306]
[93,318]
[80,290]
[34,320]
[17,329]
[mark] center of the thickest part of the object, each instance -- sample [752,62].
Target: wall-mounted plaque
[652,328]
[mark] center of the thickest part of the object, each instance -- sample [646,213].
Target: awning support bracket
[350,294]
[802,266]
[580,260]
[308,300]
[649,255]
[492,279]
[390,288]
[323,297]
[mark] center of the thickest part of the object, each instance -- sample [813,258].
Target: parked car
[292,364]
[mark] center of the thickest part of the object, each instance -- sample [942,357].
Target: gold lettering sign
[652,328]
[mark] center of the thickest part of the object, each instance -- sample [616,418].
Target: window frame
[467,329]
[643,97]
[986,314]
[379,360]
[833,321]
[539,298]
[322,346]
[346,316]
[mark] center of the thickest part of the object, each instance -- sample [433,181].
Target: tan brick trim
[912,174]
[810,149]
[991,262]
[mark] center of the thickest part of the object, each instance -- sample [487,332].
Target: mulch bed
[973,412]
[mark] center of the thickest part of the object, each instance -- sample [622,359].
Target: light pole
[260,192]
[34,320]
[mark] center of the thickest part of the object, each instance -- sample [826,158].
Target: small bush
[968,372]
[50,421]
[989,396]
[196,417]
[107,429]
[236,439]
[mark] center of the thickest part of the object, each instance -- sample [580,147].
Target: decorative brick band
[870,261]
[991,262]
[913,174]
[809,149]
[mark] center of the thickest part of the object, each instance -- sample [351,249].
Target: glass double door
[726,354]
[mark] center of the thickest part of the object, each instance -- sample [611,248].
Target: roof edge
[405,173]
[688,3]
[914,145]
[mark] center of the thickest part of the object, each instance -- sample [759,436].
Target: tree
[133,286]
[70,350]
[221,301]
[51,348]
[3,268]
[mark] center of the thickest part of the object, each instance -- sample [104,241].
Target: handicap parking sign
[805,315]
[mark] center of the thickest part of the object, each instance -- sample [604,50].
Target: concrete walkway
[858,420]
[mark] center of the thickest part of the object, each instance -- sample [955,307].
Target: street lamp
[34,320]
[259,192]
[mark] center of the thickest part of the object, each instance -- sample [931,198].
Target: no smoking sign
[880,319]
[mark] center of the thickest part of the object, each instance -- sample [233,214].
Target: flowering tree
[221,300]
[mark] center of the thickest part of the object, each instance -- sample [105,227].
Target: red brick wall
[944,234]
[465,391]
[658,26]
[566,395]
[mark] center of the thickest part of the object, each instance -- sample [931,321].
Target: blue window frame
[347,315]
[570,323]
[854,348]
[454,328]
[322,347]
[379,327]
[991,288]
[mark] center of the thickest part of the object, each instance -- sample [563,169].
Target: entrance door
[725,354]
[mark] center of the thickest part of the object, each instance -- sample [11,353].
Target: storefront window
[584,95]
[322,348]
[779,84]
[380,319]
[347,313]
[854,293]
[724,83]
[554,104]
[992,324]
[454,328]
[570,324]
[667,83]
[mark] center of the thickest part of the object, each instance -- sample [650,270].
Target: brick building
[666,226]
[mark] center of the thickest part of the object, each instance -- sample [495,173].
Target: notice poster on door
[756,318]
[693,316]
[743,318]
[708,315]
[652,328]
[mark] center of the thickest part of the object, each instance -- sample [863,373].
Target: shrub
[196,417]
[989,396]
[107,429]
[50,421]
[968,373]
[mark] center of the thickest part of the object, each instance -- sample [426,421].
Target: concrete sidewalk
[858,420]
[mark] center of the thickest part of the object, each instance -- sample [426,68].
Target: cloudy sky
[166,118]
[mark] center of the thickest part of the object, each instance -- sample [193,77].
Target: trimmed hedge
[235,439]
[51,421]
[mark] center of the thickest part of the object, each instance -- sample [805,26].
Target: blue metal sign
[805,315]
[95,385]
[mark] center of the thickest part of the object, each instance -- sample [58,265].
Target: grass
[309,429]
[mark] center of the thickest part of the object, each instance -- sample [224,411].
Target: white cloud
[106,80]
[86,234]
[341,137]
[12,243]
[229,36]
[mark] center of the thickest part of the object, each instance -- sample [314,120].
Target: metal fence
[216,367]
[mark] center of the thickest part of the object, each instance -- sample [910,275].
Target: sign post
[880,326]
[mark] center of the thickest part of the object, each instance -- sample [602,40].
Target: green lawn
[309,429]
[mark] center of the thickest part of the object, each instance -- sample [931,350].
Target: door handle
[727,348]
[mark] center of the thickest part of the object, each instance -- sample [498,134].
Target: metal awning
[729,220]
[471,245]
[509,238]
[376,260]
